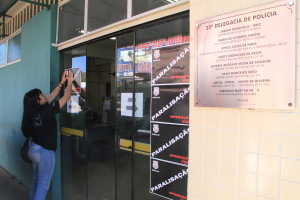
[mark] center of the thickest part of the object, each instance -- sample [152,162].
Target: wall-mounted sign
[246,59]
[168,180]
[171,64]
[170,142]
[170,103]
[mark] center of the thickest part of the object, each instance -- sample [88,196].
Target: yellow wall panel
[289,190]
[229,139]
[230,5]
[290,147]
[249,3]
[269,144]
[267,187]
[196,190]
[248,162]
[212,7]
[271,122]
[212,137]
[196,152]
[213,118]
[228,178]
[291,125]
[249,120]
[229,159]
[211,155]
[247,182]
[197,116]
[211,173]
[198,133]
[290,170]
[197,169]
[227,193]
[230,119]
[210,191]
[245,196]
[249,142]
[269,166]
[252,154]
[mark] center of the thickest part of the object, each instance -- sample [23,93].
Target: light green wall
[38,68]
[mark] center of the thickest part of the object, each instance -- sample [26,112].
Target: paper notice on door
[73,104]
[127,107]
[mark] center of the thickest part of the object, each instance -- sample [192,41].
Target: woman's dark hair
[31,108]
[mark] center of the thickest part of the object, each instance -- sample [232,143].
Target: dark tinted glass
[73,134]
[104,12]
[71,20]
[168,33]
[141,6]
[101,120]
[124,89]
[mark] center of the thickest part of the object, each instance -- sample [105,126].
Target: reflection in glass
[71,20]
[168,33]
[3,53]
[110,160]
[14,48]
[124,106]
[73,146]
[141,6]
[100,122]
[105,12]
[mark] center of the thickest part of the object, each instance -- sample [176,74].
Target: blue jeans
[43,165]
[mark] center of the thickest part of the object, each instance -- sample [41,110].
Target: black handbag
[24,151]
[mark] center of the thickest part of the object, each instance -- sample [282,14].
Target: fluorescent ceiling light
[171,1]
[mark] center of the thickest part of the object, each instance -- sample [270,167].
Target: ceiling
[3,3]
[10,7]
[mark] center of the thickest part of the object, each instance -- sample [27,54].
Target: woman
[39,123]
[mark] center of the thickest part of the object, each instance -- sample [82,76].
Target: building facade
[129,134]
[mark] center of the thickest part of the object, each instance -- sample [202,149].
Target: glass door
[88,124]
[106,129]
[124,115]
[101,120]
[171,33]
[73,134]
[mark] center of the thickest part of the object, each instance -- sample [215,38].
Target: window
[10,50]
[71,20]
[14,50]
[74,22]
[3,54]
[141,6]
[105,12]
